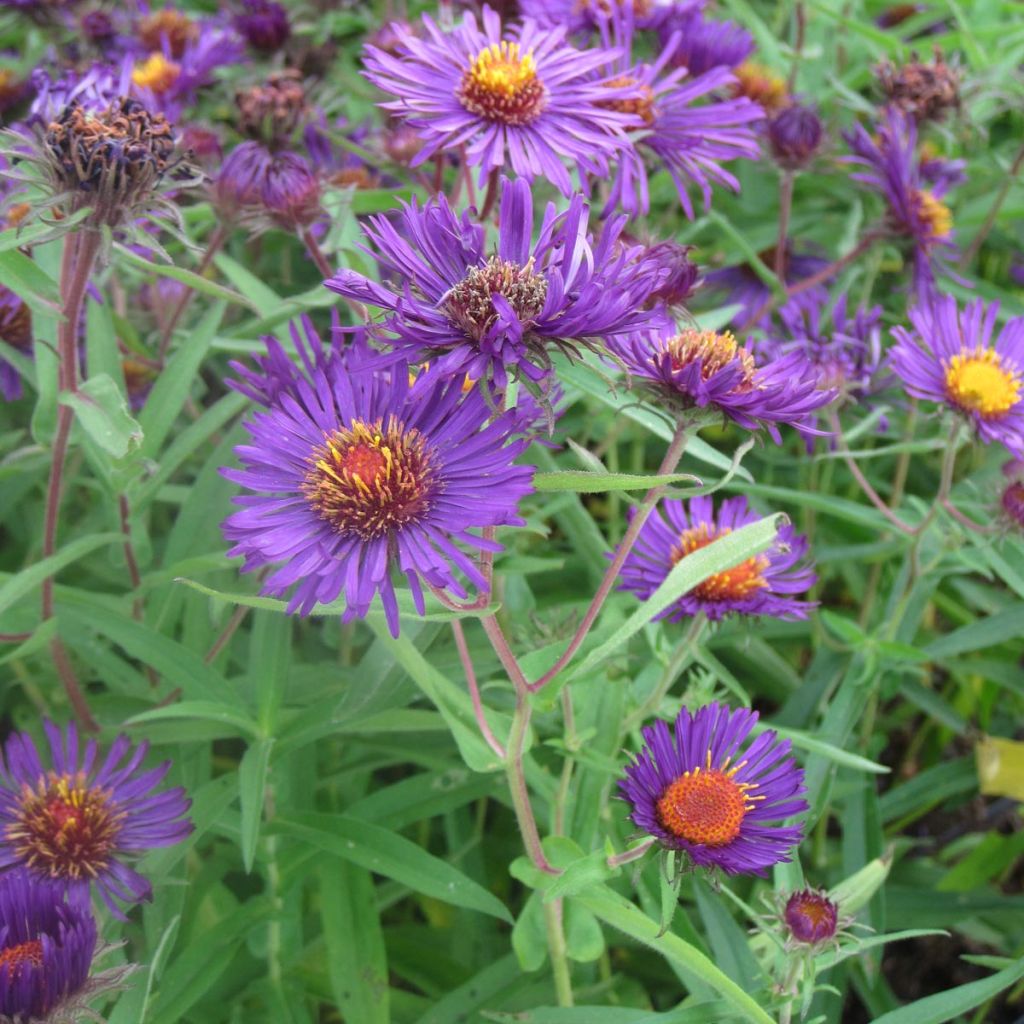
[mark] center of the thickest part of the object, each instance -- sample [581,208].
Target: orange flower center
[502,85]
[641,106]
[14,958]
[935,214]
[65,828]
[737,583]
[761,85]
[979,381]
[706,805]
[178,29]
[640,8]
[156,73]
[713,351]
[371,478]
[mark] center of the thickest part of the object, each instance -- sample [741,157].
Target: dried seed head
[271,112]
[925,91]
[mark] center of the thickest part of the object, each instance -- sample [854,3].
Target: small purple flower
[811,918]
[264,24]
[680,277]
[765,584]
[47,940]
[484,314]
[915,211]
[693,370]
[680,123]
[361,473]
[700,793]
[76,821]
[523,99]
[949,358]
[795,135]
[704,43]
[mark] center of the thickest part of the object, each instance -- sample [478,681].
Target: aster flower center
[737,583]
[156,73]
[502,85]
[641,105]
[470,304]
[14,958]
[706,805]
[640,8]
[935,214]
[371,478]
[65,827]
[714,352]
[761,85]
[978,381]
[178,29]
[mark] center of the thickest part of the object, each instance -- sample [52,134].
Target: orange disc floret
[705,806]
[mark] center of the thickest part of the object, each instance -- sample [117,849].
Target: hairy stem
[553,920]
[516,775]
[474,690]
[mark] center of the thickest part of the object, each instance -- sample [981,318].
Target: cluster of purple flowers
[69,825]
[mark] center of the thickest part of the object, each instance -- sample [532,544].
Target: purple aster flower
[478,313]
[741,286]
[47,941]
[264,24]
[16,331]
[846,352]
[523,99]
[699,793]
[94,90]
[694,370]
[361,473]
[949,358]
[705,43]
[795,135]
[76,821]
[762,585]
[811,918]
[680,126]
[892,167]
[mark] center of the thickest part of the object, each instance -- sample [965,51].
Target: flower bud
[679,276]
[264,24]
[811,917]
[795,135]
[97,26]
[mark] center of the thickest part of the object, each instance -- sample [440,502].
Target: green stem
[553,915]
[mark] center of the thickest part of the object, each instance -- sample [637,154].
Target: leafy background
[355,855]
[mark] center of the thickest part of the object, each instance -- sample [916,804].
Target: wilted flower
[78,820]
[765,584]
[521,97]
[271,112]
[795,135]
[363,473]
[925,91]
[700,793]
[471,311]
[949,358]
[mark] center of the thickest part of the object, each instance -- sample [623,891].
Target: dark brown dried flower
[925,91]
[271,112]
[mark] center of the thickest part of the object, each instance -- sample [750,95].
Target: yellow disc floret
[156,73]
[934,213]
[979,381]
[502,84]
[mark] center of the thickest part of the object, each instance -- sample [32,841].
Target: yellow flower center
[502,85]
[156,73]
[978,381]
[642,105]
[706,805]
[935,213]
[736,583]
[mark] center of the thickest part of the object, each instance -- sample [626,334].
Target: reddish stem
[474,689]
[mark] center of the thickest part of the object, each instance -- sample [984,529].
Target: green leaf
[989,631]
[836,956]
[386,853]
[29,282]
[618,912]
[101,410]
[24,582]
[203,711]
[252,789]
[721,554]
[695,1013]
[195,281]
[261,296]
[846,629]
[584,940]
[356,958]
[583,482]
[856,891]
[175,382]
[947,1005]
